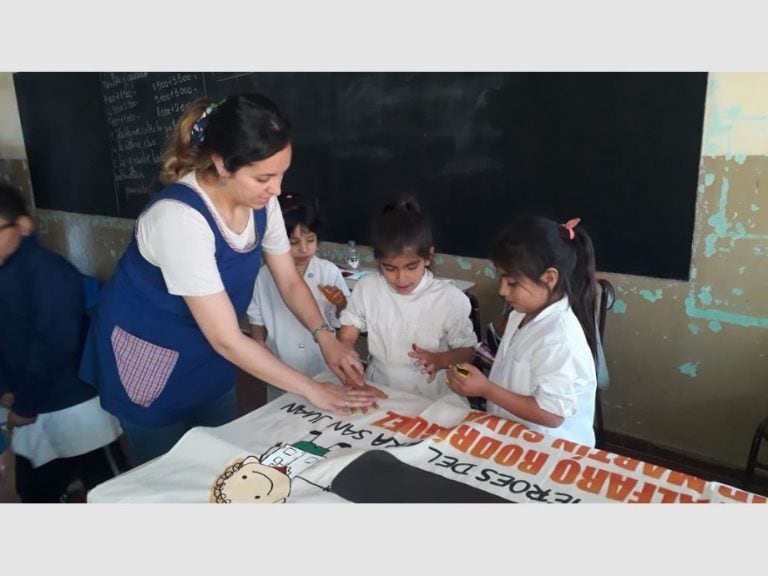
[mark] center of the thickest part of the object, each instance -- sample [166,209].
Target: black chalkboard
[619,150]
[62,118]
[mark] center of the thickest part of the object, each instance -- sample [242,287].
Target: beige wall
[688,359]
[11,139]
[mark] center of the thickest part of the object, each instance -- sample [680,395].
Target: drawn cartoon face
[268,479]
[249,481]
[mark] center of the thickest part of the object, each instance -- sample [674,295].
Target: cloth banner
[410,449]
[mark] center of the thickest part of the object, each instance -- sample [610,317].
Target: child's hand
[467,380]
[15,420]
[334,295]
[425,359]
[7,399]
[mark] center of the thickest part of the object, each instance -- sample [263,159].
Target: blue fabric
[143,443]
[91,287]
[42,324]
[136,300]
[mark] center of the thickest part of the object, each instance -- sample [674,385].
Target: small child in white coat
[544,371]
[417,325]
[270,317]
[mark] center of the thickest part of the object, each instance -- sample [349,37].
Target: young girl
[544,371]
[271,318]
[416,324]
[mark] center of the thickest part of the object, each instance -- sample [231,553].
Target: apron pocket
[144,368]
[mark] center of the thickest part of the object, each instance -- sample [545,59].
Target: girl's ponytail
[531,244]
[583,287]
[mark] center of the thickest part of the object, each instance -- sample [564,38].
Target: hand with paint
[368,387]
[334,295]
[426,360]
[467,380]
[344,399]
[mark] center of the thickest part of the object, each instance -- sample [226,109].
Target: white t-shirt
[435,316]
[65,433]
[288,339]
[549,359]
[177,238]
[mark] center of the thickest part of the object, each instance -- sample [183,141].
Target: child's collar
[556,307]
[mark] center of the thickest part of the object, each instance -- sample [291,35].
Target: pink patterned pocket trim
[143,367]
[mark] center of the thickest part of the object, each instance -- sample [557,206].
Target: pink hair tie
[570,225]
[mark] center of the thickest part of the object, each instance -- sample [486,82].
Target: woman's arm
[341,359]
[523,406]
[216,318]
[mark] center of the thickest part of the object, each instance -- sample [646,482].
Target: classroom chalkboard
[619,150]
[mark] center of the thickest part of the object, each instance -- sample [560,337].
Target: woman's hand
[334,295]
[341,359]
[467,380]
[426,359]
[345,399]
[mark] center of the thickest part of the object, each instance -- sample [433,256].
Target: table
[410,449]
[351,277]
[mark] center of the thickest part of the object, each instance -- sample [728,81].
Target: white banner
[409,450]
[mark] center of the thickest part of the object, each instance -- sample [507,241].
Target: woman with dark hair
[165,336]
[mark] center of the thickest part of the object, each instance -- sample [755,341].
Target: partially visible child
[270,318]
[544,371]
[60,432]
[6,401]
[417,325]
[4,455]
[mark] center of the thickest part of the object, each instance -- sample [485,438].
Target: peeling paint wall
[688,360]
[700,385]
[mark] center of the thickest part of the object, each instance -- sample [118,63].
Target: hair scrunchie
[570,225]
[197,134]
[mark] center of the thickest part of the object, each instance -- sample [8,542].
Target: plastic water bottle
[353,261]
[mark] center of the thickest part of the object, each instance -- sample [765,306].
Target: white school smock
[549,359]
[288,339]
[435,316]
[65,433]
[178,239]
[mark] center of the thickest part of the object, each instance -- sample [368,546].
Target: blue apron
[144,352]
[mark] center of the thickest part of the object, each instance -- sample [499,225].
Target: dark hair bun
[409,204]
